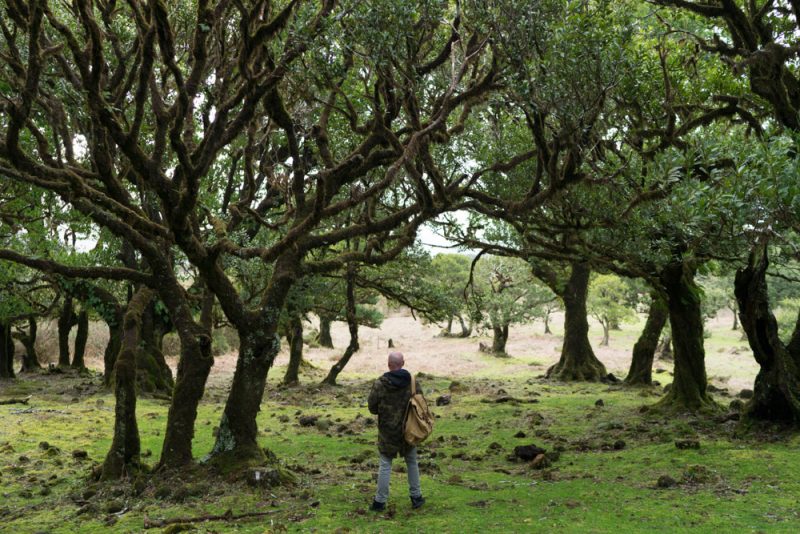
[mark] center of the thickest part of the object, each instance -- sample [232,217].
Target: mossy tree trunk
[295,338]
[325,339]
[688,390]
[6,351]
[30,359]
[113,347]
[153,375]
[123,457]
[66,320]
[499,339]
[194,366]
[776,392]
[547,323]
[644,351]
[81,337]
[577,361]
[259,343]
[352,325]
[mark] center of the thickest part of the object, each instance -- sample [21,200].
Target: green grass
[729,485]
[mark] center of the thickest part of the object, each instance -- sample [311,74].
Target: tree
[505,293]
[606,302]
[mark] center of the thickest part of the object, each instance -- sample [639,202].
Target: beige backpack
[419,419]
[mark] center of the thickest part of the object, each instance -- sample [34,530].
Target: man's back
[388,399]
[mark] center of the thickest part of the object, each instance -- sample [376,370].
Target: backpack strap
[413,385]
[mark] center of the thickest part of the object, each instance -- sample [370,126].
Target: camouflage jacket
[388,400]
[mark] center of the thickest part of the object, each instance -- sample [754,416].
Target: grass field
[603,478]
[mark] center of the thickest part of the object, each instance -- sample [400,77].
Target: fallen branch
[38,410]
[16,401]
[227,516]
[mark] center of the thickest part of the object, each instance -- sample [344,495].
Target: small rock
[283,418]
[599,403]
[44,445]
[619,445]
[684,444]
[494,446]
[307,420]
[23,459]
[519,434]
[443,400]
[746,394]
[666,481]
[611,379]
[659,371]
[528,452]
[79,454]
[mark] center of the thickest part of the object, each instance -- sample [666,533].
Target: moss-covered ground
[604,480]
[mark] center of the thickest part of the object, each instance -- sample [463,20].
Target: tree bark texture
[776,392]
[259,343]
[295,338]
[499,339]
[644,351]
[123,457]
[194,366]
[688,391]
[6,351]
[30,360]
[352,325]
[66,321]
[81,337]
[325,339]
[153,375]
[577,361]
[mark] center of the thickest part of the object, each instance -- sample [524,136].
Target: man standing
[388,399]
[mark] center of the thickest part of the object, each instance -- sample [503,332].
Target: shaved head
[395,361]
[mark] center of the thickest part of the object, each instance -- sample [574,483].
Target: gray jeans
[385,470]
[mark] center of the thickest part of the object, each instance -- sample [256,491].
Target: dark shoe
[377,506]
[417,502]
